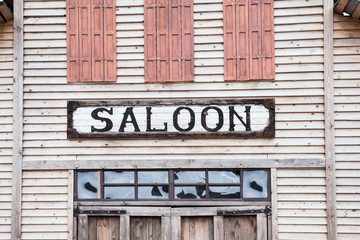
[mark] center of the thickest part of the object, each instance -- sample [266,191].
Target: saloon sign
[169,119]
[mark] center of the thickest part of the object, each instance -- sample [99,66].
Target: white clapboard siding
[347,125]
[45,205]
[301,204]
[6,93]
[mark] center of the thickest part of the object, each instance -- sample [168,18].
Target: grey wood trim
[17,119]
[175,163]
[175,227]
[101,204]
[329,119]
[70,204]
[125,227]
[274,204]
[166,227]
[218,227]
[83,227]
[261,226]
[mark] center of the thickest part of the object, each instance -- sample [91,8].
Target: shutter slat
[72,30]
[229,12]
[187,40]
[97,20]
[109,40]
[163,67]
[150,40]
[85,40]
[242,37]
[175,40]
[255,39]
[268,58]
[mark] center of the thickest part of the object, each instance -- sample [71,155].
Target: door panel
[199,228]
[145,228]
[240,227]
[104,228]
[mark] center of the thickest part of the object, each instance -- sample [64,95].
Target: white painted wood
[274,205]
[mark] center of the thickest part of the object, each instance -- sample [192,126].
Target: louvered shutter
[150,40]
[175,40]
[109,40]
[187,56]
[230,46]
[242,39]
[73,54]
[163,40]
[255,39]
[268,55]
[97,20]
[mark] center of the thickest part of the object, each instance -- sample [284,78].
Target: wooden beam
[190,163]
[329,119]
[70,204]
[17,120]
[274,204]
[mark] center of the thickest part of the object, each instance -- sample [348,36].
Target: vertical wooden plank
[230,44]
[145,228]
[176,228]
[18,115]
[75,227]
[97,35]
[187,40]
[92,228]
[274,205]
[219,228]
[267,33]
[329,120]
[261,227]
[200,228]
[114,228]
[85,45]
[109,41]
[70,204]
[125,227]
[175,39]
[166,227]
[255,39]
[162,17]
[150,40]
[102,228]
[242,40]
[83,227]
[240,227]
[72,41]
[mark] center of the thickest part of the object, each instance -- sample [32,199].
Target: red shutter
[85,40]
[163,40]
[187,58]
[72,20]
[255,39]
[109,40]
[150,40]
[229,11]
[242,40]
[97,20]
[268,55]
[175,40]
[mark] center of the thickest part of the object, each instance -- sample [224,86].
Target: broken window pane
[87,187]
[224,192]
[195,192]
[153,177]
[118,177]
[119,193]
[255,184]
[155,192]
[189,177]
[224,177]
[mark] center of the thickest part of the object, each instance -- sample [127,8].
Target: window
[91,40]
[248,39]
[174,185]
[169,40]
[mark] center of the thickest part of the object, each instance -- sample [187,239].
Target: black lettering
[95,115]
[176,123]
[219,125]
[233,112]
[148,122]
[129,112]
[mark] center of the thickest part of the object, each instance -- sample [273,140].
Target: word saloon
[169,119]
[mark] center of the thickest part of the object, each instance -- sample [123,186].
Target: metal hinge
[266,210]
[77,211]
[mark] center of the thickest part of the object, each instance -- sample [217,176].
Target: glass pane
[155,192]
[224,177]
[195,192]
[119,193]
[87,185]
[153,177]
[224,192]
[189,177]
[255,184]
[118,177]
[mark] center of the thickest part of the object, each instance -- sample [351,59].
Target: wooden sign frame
[267,132]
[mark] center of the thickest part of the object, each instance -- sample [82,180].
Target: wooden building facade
[308,65]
